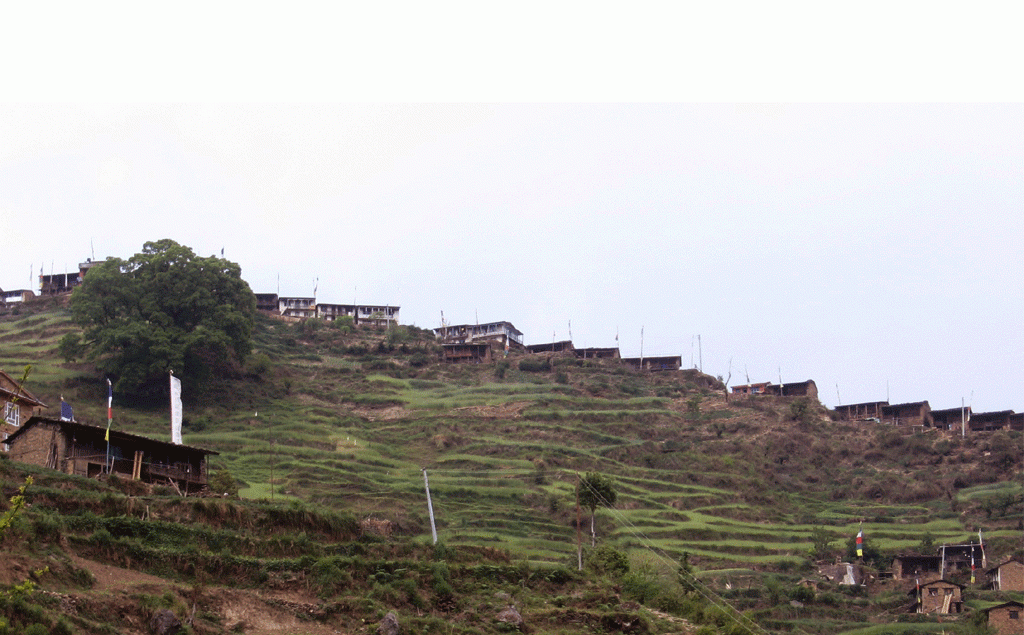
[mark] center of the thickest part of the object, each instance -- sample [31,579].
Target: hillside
[333,428]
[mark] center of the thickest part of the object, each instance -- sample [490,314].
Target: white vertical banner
[175,410]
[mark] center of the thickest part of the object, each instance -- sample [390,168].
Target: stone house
[988,421]
[81,449]
[951,418]
[917,413]
[796,389]
[17,405]
[938,597]
[1006,618]
[1008,576]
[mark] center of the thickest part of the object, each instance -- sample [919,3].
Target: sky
[859,229]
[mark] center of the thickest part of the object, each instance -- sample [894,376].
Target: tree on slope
[164,309]
[596,490]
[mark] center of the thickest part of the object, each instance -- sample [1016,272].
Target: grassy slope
[344,425]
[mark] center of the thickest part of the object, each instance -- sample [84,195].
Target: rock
[510,616]
[389,625]
[504,597]
[163,622]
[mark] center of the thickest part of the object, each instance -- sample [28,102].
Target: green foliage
[607,560]
[642,582]
[693,406]
[164,309]
[596,490]
[258,365]
[532,365]
[70,347]
[821,543]
[222,482]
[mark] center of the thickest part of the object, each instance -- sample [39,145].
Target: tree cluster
[164,309]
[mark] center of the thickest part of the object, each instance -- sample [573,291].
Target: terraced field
[737,488]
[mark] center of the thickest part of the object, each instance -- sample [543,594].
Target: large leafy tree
[164,309]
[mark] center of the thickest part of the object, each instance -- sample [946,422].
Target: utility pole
[430,507]
[579,521]
[700,355]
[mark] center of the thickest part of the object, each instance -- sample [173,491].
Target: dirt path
[110,578]
[255,612]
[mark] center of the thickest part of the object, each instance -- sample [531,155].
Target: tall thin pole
[963,419]
[430,507]
[700,355]
[579,522]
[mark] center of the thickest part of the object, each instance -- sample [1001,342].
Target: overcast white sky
[862,229]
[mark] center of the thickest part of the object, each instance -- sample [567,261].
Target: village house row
[917,414]
[478,343]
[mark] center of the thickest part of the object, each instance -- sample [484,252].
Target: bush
[607,560]
[258,365]
[529,365]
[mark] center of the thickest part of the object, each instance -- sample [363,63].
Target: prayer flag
[175,410]
[982,543]
[110,408]
[860,542]
[66,413]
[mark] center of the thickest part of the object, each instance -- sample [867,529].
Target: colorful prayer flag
[860,543]
[110,408]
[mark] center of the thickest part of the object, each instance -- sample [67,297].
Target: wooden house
[454,353]
[64,283]
[16,296]
[1008,576]
[1017,421]
[18,406]
[1006,618]
[598,353]
[951,418]
[78,448]
[266,302]
[938,597]
[917,413]
[988,421]
[668,362]
[751,389]
[497,333]
[564,346]
[912,567]
[296,308]
[867,411]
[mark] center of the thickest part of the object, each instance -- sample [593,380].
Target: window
[933,591]
[12,414]
[1014,615]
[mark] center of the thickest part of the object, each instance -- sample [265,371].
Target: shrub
[607,560]
[529,365]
